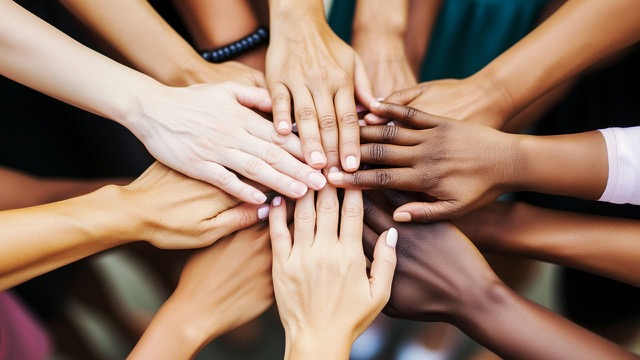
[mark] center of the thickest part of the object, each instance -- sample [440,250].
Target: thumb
[237,218]
[362,84]
[426,211]
[383,266]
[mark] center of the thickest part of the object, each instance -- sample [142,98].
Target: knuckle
[281,99]
[341,78]
[277,138]
[253,167]
[318,74]
[243,219]
[352,211]
[274,155]
[327,121]
[410,113]
[389,133]
[328,205]
[383,177]
[225,179]
[306,113]
[378,153]
[304,216]
[349,119]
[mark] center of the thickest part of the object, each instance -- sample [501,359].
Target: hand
[324,295]
[462,166]
[317,72]
[221,287]
[384,58]
[177,212]
[206,72]
[439,272]
[467,99]
[206,132]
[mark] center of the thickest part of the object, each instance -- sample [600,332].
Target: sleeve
[623,152]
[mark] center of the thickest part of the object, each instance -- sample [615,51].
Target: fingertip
[351,163]
[402,216]
[391,237]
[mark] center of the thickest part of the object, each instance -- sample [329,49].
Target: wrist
[304,345]
[381,17]
[497,97]
[113,226]
[285,13]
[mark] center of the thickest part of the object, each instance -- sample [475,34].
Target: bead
[206,55]
[233,49]
[223,53]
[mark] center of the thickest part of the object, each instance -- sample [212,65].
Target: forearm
[39,239]
[141,35]
[421,22]
[516,328]
[379,16]
[39,56]
[573,38]
[284,12]
[571,165]
[302,346]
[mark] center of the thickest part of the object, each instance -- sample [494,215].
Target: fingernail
[391,123]
[361,122]
[352,162]
[260,197]
[374,105]
[298,188]
[360,108]
[294,128]
[335,176]
[334,169]
[276,201]
[317,179]
[283,125]
[263,212]
[402,217]
[392,237]
[316,158]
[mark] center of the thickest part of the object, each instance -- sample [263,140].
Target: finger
[328,126]
[327,210]
[264,130]
[225,180]
[396,198]
[375,216]
[390,135]
[307,126]
[285,163]
[351,218]
[259,170]
[383,266]
[304,219]
[349,129]
[281,99]
[391,178]
[236,218]
[280,235]
[373,119]
[427,211]
[363,88]
[406,114]
[369,239]
[251,96]
[259,79]
[391,155]
[406,96]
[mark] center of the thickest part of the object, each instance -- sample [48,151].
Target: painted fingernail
[360,108]
[391,123]
[294,128]
[316,158]
[317,179]
[361,122]
[283,125]
[392,237]
[259,197]
[335,176]
[298,188]
[352,162]
[263,212]
[402,217]
[374,105]
[334,169]
[276,201]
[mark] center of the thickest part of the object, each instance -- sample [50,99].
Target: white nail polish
[283,125]
[259,197]
[317,179]
[263,212]
[352,162]
[316,158]
[276,201]
[392,237]
[335,176]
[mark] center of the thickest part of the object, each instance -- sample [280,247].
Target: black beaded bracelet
[227,52]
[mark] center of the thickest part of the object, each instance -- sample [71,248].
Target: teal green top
[468,34]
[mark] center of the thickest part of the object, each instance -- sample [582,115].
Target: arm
[324,295]
[421,22]
[202,131]
[441,276]
[597,244]
[220,22]
[379,28]
[162,207]
[575,37]
[310,67]
[221,287]
[149,43]
[462,166]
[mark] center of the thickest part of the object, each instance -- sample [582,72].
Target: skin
[575,37]
[420,23]
[188,129]
[441,276]
[162,207]
[461,166]
[314,74]
[324,295]
[221,287]
[220,22]
[602,245]
[141,36]
[379,28]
